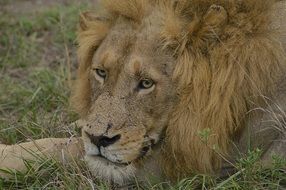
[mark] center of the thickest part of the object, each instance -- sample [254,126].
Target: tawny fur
[13,157]
[226,62]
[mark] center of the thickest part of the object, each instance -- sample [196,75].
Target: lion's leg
[277,148]
[266,129]
[278,110]
[61,149]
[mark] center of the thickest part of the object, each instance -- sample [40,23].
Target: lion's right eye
[145,86]
[101,73]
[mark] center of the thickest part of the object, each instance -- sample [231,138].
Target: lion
[175,87]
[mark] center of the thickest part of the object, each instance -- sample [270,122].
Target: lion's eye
[146,84]
[100,72]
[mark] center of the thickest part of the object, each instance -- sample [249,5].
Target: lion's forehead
[126,44]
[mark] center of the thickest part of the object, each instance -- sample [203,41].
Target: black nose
[102,140]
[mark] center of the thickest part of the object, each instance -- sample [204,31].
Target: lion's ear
[198,32]
[83,19]
[87,17]
[208,29]
[215,17]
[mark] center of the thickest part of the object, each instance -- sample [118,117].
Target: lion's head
[157,74]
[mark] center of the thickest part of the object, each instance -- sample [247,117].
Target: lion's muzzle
[111,133]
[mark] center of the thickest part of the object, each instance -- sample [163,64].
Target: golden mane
[224,68]
[223,71]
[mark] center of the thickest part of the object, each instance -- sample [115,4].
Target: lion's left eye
[146,84]
[100,72]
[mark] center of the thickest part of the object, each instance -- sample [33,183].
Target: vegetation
[37,65]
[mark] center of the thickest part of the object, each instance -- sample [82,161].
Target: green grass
[37,62]
[52,175]
[36,54]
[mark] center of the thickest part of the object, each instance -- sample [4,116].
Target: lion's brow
[108,59]
[136,67]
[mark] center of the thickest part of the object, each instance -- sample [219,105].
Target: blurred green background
[37,66]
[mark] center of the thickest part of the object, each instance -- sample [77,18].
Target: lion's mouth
[102,158]
[107,161]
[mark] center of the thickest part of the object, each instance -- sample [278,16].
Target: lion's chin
[109,171]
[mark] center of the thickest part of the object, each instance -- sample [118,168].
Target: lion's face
[131,98]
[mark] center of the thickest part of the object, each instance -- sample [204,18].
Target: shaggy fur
[227,60]
[223,71]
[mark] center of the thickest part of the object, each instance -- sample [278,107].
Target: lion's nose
[102,140]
